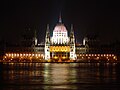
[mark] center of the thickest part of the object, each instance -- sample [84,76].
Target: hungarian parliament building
[60,47]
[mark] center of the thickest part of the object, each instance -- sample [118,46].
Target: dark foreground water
[59,76]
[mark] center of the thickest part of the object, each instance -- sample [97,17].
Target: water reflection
[31,76]
[59,76]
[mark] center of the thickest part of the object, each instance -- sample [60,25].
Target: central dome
[60,28]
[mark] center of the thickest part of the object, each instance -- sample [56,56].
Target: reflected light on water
[58,75]
[31,76]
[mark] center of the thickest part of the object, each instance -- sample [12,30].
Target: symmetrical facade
[60,47]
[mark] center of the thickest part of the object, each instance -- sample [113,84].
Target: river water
[59,76]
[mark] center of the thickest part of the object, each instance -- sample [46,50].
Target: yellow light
[55,57]
[14,54]
[63,57]
[97,57]
[5,57]
[114,57]
[20,54]
[32,54]
[9,55]
[17,55]
[59,48]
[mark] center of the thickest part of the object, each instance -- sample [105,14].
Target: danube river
[59,76]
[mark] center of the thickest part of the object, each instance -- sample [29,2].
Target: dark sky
[94,17]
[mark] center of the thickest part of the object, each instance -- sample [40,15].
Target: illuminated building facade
[60,47]
[27,51]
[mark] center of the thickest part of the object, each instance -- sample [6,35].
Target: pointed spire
[48,28]
[71,27]
[47,31]
[35,33]
[72,31]
[47,39]
[60,19]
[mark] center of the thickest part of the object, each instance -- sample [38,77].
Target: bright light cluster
[97,56]
[23,55]
[59,48]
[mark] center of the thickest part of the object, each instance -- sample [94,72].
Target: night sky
[94,17]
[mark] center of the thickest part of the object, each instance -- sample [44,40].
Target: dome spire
[60,19]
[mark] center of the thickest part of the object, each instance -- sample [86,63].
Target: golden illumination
[17,55]
[32,54]
[63,57]
[114,57]
[97,57]
[20,54]
[14,54]
[11,56]
[59,48]
[55,57]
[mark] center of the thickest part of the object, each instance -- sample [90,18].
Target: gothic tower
[35,38]
[47,44]
[72,44]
